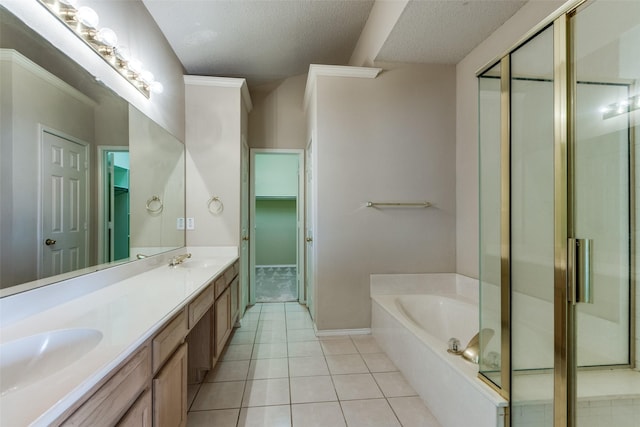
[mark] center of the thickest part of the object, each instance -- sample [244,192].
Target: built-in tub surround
[126,311]
[413,317]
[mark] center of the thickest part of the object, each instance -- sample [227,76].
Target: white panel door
[309,228]
[64,205]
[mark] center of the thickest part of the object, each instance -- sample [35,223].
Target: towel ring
[215,205]
[154,204]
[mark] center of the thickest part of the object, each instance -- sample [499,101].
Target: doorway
[276,210]
[113,203]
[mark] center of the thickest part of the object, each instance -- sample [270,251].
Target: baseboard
[276,265]
[341,332]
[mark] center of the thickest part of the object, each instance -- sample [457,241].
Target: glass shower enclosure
[559,115]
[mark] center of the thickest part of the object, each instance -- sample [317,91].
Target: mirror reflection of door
[64,204]
[114,204]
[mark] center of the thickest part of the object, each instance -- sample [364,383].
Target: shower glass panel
[607,111]
[532,228]
[489,155]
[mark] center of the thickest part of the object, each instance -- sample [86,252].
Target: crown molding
[316,70]
[10,55]
[223,82]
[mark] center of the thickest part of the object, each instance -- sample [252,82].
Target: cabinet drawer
[168,339]
[200,305]
[220,285]
[113,399]
[229,274]
[236,268]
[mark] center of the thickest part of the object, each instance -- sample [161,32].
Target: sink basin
[198,263]
[33,358]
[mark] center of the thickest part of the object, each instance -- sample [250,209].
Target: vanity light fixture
[83,21]
[622,107]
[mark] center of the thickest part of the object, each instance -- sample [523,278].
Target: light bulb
[156,87]
[135,66]
[107,37]
[123,54]
[87,17]
[147,77]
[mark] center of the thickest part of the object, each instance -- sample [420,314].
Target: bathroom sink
[33,358]
[198,263]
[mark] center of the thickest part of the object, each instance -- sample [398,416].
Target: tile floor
[276,373]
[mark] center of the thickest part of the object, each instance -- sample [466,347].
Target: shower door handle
[579,269]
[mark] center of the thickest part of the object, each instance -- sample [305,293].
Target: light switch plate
[191,224]
[180,223]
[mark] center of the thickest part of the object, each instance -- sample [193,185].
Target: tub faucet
[178,259]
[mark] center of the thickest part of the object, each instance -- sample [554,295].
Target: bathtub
[413,317]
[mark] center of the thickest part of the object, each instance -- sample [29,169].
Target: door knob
[49,242]
[309,239]
[245,238]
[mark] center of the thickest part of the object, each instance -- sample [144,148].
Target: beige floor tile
[379,362]
[369,413]
[268,368]
[356,386]
[304,348]
[248,324]
[266,392]
[312,389]
[412,412]
[269,350]
[297,316]
[233,370]
[307,366]
[317,415]
[343,346]
[295,307]
[242,337]
[331,337]
[273,315]
[393,384]
[366,344]
[218,418]
[251,315]
[256,308]
[301,324]
[237,352]
[346,364]
[224,395]
[266,416]
[296,335]
[264,325]
[268,336]
[277,307]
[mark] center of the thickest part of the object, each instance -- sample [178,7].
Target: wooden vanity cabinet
[109,404]
[139,414]
[222,316]
[170,391]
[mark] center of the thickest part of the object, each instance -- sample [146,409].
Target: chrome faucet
[178,259]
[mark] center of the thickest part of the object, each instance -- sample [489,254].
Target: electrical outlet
[180,224]
[191,224]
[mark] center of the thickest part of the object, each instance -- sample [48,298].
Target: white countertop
[127,313]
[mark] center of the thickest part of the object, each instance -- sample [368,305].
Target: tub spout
[472,351]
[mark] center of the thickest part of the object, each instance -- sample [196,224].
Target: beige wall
[386,139]
[502,39]
[216,121]
[137,30]
[31,98]
[277,119]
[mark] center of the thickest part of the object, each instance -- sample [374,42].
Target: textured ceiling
[264,40]
[444,31]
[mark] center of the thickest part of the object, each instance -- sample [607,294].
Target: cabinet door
[140,413]
[234,301]
[170,391]
[223,318]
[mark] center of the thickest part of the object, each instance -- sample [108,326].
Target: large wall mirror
[86,180]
